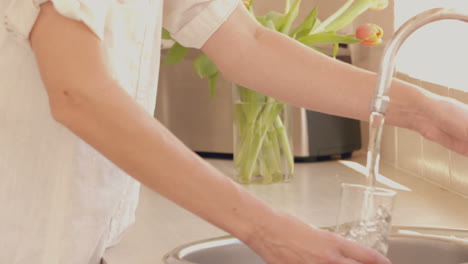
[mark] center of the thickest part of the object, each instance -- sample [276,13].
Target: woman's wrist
[259,228]
[409,105]
[264,228]
[263,232]
[267,230]
[431,106]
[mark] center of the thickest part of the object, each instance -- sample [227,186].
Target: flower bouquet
[263,150]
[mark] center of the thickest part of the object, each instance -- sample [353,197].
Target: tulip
[370,34]
[247,3]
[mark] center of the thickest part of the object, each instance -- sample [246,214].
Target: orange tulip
[370,34]
[379,4]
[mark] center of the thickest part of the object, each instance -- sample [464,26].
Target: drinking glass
[365,215]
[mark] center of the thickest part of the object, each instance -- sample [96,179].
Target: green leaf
[250,96]
[213,81]
[273,16]
[316,25]
[328,38]
[175,54]
[345,15]
[262,20]
[270,24]
[204,66]
[276,17]
[165,34]
[289,18]
[306,26]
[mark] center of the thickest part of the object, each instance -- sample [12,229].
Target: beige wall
[443,42]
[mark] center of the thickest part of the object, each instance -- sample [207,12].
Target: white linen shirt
[61,201]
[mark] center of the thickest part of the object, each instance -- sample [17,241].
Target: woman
[78,86]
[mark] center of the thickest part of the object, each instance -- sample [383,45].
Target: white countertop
[312,196]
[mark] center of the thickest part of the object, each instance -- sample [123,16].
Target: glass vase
[263,151]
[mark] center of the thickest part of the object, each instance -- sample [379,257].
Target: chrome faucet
[381,99]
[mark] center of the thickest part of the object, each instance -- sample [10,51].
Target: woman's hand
[288,240]
[445,121]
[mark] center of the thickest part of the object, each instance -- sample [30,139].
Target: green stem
[267,118]
[249,138]
[345,15]
[274,141]
[239,118]
[262,137]
[248,164]
[246,143]
[287,6]
[336,47]
[268,165]
[333,17]
[284,142]
[274,157]
[251,10]
[250,107]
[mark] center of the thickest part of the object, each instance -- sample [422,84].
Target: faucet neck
[380,101]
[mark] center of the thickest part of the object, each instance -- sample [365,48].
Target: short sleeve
[192,22]
[20,15]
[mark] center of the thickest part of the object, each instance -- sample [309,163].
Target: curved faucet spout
[381,94]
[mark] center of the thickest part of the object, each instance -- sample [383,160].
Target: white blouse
[61,201]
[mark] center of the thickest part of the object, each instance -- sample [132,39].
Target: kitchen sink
[408,245]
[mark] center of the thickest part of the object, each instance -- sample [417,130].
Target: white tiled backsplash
[409,151]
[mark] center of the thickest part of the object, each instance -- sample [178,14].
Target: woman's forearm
[281,67]
[85,99]
[146,150]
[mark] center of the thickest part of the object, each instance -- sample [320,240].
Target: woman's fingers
[445,139]
[302,244]
[362,254]
[446,123]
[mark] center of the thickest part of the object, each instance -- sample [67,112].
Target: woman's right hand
[287,240]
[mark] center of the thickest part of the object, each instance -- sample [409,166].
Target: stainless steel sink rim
[434,233]
[183,250]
